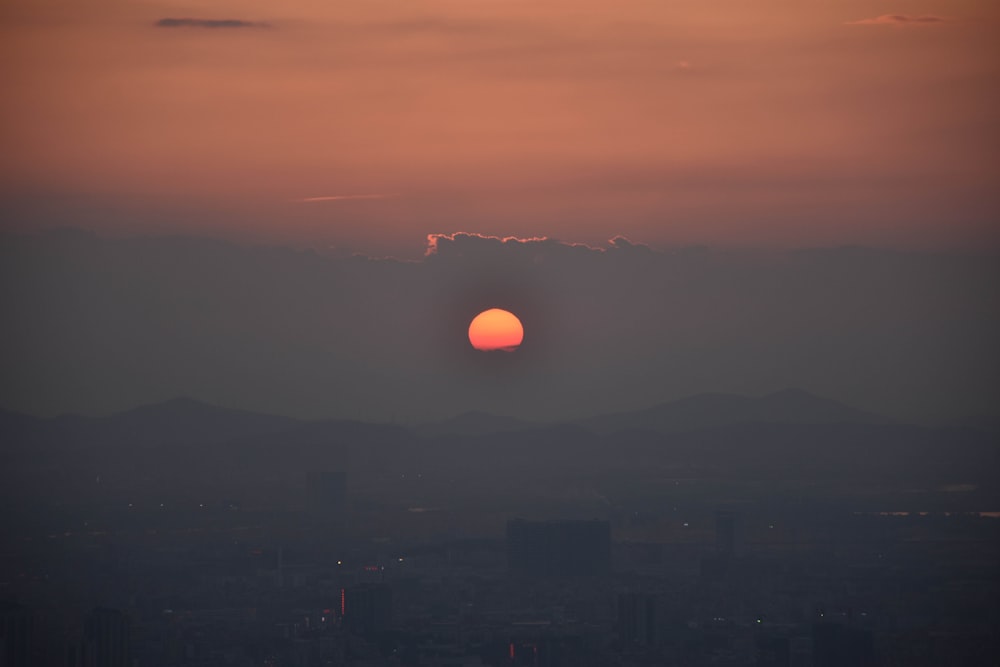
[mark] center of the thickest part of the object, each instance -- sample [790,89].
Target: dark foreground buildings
[637,628]
[106,639]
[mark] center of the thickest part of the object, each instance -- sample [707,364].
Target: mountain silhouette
[176,421]
[474,423]
[790,406]
[189,452]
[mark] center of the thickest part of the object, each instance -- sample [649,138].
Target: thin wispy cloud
[390,195]
[900,19]
[208,23]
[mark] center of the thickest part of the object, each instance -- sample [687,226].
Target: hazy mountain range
[190,421]
[189,452]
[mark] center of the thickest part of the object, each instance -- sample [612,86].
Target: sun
[496,329]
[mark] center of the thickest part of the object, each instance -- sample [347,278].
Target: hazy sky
[773,122]
[97,325]
[367,126]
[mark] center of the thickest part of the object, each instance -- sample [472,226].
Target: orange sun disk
[496,329]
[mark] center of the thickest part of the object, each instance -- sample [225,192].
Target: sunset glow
[369,126]
[755,247]
[496,329]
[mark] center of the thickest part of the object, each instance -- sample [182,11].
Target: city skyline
[499,333]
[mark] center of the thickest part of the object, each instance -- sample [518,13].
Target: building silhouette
[728,534]
[773,651]
[326,491]
[367,607]
[636,620]
[16,627]
[106,639]
[559,548]
[836,645]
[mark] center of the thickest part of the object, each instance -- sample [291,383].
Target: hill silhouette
[790,406]
[474,423]
[176,421]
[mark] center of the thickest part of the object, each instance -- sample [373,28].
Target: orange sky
[689,121]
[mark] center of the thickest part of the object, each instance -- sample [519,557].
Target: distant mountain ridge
[790,406]
[187,451]
[187,420]
[180,420]
[475,423]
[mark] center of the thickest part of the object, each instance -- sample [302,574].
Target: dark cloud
[899,19]
[460,243]
[480,247]
[208,23]
[97,325]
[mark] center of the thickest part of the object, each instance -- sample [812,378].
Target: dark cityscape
[499,333]
[344,543]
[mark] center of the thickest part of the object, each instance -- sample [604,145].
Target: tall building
[327,491]
[773,651]
[559,548]
[728,534]
[836,645]
[636,620]
[367,608]
[16,624]
[106,639]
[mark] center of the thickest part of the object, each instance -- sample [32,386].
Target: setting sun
[496,329]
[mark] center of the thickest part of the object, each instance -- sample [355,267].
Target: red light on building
[510,648]
[343,598]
